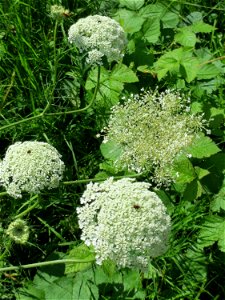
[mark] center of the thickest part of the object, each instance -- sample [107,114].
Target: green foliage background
[171,44]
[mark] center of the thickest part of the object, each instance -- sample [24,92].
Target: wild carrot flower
[98,37]
[18,231]
[152,129]
[124,222]
[30,166]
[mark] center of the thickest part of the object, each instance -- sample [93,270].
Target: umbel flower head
[18,231]
[124,222]
[152,129]
[98,36]
[30,167]
[58,12]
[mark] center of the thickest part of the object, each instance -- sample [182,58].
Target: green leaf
[132,280]
[129,20]
[185,37]
[132,4]
[169,62]
[124,74]
[66,288]
[182,170]
[201,172]
[111,150]
[202,147]
[79,252]
[160,11]
[213,230]
[208,71]
[151,30]
[193,190]
[218,202]
[111,84]
[201,26]
[191,67]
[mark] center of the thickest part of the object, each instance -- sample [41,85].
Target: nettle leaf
[186,37]
[202,147]
[132,4]
[213,230]
[79,252]
[151,30]
[131,21]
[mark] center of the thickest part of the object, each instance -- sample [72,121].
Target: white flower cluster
[124,221]
[98,36]
[30,166]
[152,129]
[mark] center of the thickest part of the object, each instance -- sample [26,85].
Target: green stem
[30,208]
[46,263]
[84,108]
[3,194]
[21,121]
[100,179]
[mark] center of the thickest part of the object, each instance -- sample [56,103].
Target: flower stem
[46,263]
[100,179]
[84,108]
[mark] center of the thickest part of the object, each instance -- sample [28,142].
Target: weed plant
[49,94]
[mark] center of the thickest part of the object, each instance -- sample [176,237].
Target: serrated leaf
[160,11]
[213,230]
[124,74]
[111,150]
[131,280]
[201,26]
[185,37]
[208,71]
[132,4]
[79,252]
[183,170]
[191,67]
[111,84]
[218,202]
[67,288]
[129,20]
[201,172]
[151,30]
[169,62]
[202,147]
[193,190]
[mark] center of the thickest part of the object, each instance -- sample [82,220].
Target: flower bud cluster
[124,222]
[152,129]
[30,167]
[98,36]
[18,231]
[58,12]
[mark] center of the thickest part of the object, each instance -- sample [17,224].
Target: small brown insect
[136,206]
[28,151]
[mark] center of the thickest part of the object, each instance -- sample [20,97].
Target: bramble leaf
[213,230]
[202,147]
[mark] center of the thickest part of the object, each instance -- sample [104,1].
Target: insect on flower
[136,206]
